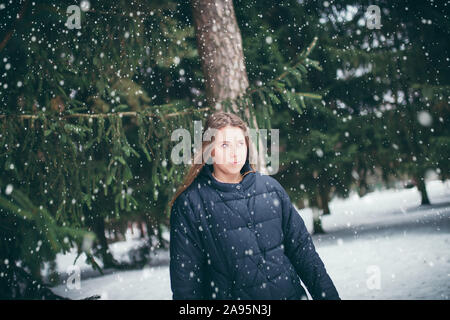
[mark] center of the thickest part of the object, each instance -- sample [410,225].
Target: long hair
[217,120]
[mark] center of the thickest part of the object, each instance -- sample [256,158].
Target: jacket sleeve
[301,252]
[187,259]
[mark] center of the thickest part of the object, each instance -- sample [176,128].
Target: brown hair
[217,120]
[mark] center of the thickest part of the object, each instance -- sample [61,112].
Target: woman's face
[230,150]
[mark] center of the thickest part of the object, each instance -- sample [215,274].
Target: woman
[234,234]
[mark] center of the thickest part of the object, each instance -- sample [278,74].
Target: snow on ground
[121,251]
[380,206]
[413,266]
[381,246]
[150,283]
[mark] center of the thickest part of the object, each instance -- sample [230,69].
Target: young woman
[234,234]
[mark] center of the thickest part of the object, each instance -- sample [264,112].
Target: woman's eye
[224,145]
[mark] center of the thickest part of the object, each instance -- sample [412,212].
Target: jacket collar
[244,184]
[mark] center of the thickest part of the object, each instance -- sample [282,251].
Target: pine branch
[303,57]
[106,115]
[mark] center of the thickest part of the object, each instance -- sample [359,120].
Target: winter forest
[92,91]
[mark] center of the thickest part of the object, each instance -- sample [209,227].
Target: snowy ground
[381,246]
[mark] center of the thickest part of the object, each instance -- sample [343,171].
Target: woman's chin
[235,168]
[232,168]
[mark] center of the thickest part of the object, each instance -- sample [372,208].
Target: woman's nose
[233,151]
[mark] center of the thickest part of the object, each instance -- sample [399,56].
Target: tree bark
[219,45]
[220,49]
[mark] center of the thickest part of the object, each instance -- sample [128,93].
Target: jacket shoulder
[270,183]
[190,196]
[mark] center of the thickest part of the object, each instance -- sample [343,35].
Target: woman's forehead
[230,134]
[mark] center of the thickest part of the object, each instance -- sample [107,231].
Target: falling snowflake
[424,118]
[319,153]
[85,5]
[9,189]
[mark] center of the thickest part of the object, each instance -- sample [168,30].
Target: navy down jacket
[242,241]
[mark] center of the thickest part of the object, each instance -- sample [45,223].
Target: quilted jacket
[242,241]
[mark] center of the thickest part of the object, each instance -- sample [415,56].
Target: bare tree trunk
[150,228]
[317,221]
[141,229]
[161,240]
[98,226]
[219,45]
[314,203]
[421,186]
[323,198]
[301,204]
[362,183]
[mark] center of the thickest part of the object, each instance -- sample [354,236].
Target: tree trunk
[362,183]
[161,240]
[325,204]
[220,48]
[141,229]
[98,226]
[219,45]
[150,228]
[317,221]
[301,204]
[422,188]
[131,227]
[323,199]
